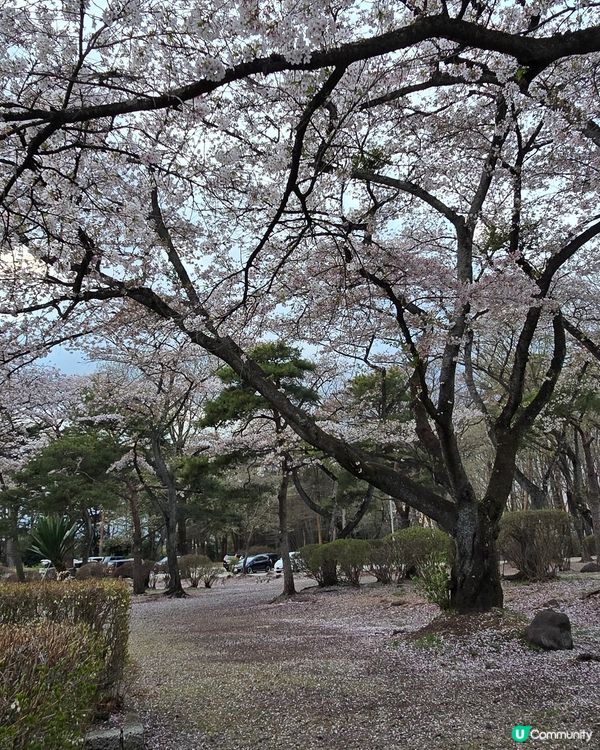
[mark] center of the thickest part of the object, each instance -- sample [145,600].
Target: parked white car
[295,560]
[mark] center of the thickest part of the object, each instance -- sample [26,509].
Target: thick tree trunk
[13,548]
[593,487]
[182,541]
[139,577]
[403,514]
[289,588]
[538,496]
[475,584]
[174,589]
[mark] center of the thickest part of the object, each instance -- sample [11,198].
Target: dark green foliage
[412,548]
[382,560]
[117,545]
[282,364]
[53,539]
[320,563]
[71,472]
[351,555]
[382,395]
[48,684]
[102,606]
[418,549]
[536,542]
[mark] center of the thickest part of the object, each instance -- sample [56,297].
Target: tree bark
[13,548]
[182,542]
[475,580]
[174,589]
[289,588]
[139,577]
[593,487]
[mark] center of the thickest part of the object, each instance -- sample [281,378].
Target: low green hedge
[416,546]
[388,559]
[320,563]
[48,684]
[351,555]
[101,605]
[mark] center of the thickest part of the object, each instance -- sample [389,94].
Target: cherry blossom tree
[402,179]
[155,389]
[36,404]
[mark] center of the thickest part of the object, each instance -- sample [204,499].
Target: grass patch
[428,642]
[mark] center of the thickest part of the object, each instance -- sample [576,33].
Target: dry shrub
[536,542]
[103,606]
[126,570]
[90,570]
[48,684]
[198,568]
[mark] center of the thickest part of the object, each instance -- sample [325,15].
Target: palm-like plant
[53,539]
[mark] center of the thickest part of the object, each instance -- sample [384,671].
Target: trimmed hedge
[351,555]
[48,684]
[416,546]
[536,542]
[101,605]
[320,563]
[413,549]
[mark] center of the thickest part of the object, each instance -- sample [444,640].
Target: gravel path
[346,670]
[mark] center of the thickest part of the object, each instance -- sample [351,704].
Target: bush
[101,605]
[320,563]
[351,555]
[536,542]
[198,568]
[48,685]
[90,570]
[126,570]
[434,581]
[415,547]
[382,560]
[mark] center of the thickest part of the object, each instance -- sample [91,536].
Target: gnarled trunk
[475,583]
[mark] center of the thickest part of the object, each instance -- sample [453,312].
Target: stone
[103,739]
[550,630]
[590,567]
[133,733]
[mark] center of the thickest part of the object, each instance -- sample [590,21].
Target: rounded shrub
[536,542]
[320,563]
[351,555]
[412,548]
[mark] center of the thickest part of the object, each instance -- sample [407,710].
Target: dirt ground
[348,669]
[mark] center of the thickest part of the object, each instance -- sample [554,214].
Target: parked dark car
[254,564]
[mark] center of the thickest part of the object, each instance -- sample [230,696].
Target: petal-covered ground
[349,669]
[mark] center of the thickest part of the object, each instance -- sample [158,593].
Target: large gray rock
[550,630]
[590,567]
